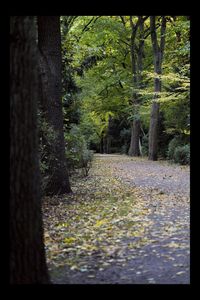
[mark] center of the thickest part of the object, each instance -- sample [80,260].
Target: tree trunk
[158,56]
[101,145]
[27,254]
[134,149]
[154,118]
[49,43]
[105,145]
[137,66]
[153,131]
[108,144]
[108,135]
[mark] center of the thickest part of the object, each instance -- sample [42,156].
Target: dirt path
[162,192]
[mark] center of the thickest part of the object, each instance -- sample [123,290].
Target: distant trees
[49,44]
[27,254]
[114,66]
[127,80]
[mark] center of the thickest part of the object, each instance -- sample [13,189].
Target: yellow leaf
[100,222]
[88,247]
[69,240]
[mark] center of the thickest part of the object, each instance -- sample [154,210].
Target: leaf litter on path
[107,225]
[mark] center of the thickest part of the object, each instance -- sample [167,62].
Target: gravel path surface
[170,179]
[166,258]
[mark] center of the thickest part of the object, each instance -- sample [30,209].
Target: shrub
[182,155]
[77,153]
[47,137]
[179,151]
[173,144]
[125,134]
[86,160]
[124,149]
[145,145]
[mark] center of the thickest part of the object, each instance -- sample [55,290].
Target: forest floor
[128,222]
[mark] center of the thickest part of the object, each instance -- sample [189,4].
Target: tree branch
[86,26]
[124,23]
[125,43]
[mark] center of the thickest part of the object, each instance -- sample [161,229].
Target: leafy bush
[124,149]
[125,134]
[125,137]
[47,137]
[178,151]
[182,155]
[173,144]
[86,160]
[77,153]
[145,145]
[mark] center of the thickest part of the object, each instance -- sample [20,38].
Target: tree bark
[101,144]
[108,136]
[108,144]
[105,145]
[27,254]
[158,51]
[137,66]
[49,43]
[134,149]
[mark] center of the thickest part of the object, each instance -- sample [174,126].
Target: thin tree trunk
[153,131]
[158,51]
[108,144]
[27,254]
[105,144]
[101,145]
[108,136]
[49,43]
[134,149]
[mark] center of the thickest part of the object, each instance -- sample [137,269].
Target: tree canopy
[99,72]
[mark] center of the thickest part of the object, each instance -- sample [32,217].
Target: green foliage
[164,137]
[145,145]
[91,126]
[125,135]
[77,153]
[177,116]
[98,82]
[178,151]
[124,149]
[182,155]
[47,138]
[173,144]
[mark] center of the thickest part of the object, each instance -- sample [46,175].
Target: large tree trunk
[27,254]
[133,143]
[158,56]
[49,43]
[137,66]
